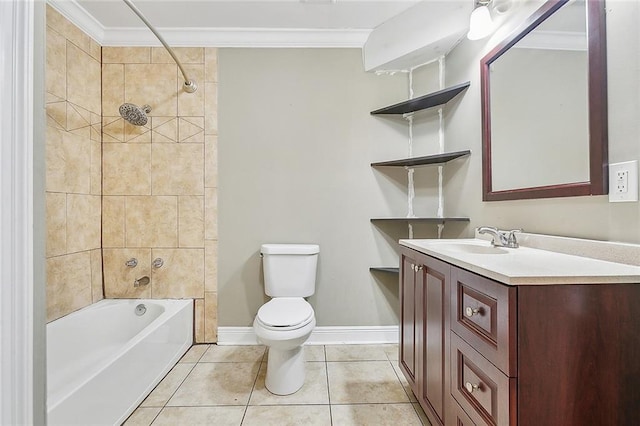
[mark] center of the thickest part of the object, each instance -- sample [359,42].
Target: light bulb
[480,23]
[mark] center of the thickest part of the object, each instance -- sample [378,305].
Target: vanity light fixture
[480,22]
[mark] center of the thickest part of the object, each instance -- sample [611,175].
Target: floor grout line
[330,404]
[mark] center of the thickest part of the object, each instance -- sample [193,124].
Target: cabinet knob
[469,311]
[470,387]
[416,268]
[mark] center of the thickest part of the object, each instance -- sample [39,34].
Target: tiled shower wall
[73,175]
[136,192]
[159,180]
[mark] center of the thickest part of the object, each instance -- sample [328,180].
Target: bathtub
[103,360]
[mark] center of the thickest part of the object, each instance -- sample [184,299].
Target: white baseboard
[319,336]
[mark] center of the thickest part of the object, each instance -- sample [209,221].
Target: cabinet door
[434,276]
[409,321]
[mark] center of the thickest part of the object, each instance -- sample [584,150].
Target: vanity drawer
[483,313]
[484,392]
[456,415]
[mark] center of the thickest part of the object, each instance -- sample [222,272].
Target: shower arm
[189,86]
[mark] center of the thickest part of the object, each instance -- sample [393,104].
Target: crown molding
[209,37]
[237,37]
[78,15]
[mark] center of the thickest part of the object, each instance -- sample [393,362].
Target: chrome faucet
[501,238]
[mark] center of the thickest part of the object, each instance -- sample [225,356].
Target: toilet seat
[285,313]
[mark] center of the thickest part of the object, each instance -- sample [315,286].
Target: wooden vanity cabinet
[424,295]
[566,355]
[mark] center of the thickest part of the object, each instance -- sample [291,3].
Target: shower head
[134,114]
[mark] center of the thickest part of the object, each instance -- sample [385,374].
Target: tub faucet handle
[141,281]
[132,263]
[158,262]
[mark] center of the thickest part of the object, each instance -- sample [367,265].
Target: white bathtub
[103,360]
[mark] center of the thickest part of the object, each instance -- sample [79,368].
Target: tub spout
[141,281]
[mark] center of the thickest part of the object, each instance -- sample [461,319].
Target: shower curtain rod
[189,86]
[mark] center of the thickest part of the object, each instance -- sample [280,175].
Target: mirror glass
[536,108]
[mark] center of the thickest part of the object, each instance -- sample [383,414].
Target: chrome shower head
[134,114]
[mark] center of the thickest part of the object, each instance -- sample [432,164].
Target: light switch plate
[623,182]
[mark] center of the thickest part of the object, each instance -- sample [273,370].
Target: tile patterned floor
[224,385]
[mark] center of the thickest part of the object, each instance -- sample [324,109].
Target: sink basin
[471,248]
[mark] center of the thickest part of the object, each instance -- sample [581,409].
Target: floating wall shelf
[440,97]
[423,161]
[421,219]
[388,270]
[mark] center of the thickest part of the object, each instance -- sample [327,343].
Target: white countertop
[525,265]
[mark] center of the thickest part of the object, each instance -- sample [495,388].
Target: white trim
[209,37]
[16,215]
[320,335]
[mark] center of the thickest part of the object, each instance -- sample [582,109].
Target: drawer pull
[470,387]
[469,311]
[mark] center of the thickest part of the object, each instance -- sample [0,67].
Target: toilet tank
[289,269]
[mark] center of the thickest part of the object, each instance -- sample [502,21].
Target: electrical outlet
[623,182]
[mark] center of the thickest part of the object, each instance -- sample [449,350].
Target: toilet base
[285,370]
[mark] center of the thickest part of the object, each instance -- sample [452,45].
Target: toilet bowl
[284,324]
[286,321]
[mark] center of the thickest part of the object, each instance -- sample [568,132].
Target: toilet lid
[285,312]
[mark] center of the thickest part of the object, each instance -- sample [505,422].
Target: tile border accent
[328,335]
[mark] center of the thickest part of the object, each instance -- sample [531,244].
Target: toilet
[286,321]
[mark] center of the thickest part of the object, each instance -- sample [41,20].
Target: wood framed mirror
[544,106]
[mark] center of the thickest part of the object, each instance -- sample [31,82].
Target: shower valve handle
[158,262]
[132,263]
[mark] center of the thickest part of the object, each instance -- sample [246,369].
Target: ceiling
[413,30]
[273,14]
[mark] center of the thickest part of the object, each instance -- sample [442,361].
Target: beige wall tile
[137,134]
[96,168]
[55,20]
[211,64]
[95,50]
[211,108]
[151,221]
[211,213]
[182,274]
[112,89]
[164,129]
[56,68]
[211,317]
[68,162]
[191,221]
[186,55]
[154,85]
[57,115]
[177,169]
[210,266]
[72,33]
[191,104]
[113,221]
[112,130]
[96,276]
[68,284]
[191,130]
[126,169]
[211,161]
[199,321]
[126,55]
[83,222]
[119,278]
[83,77]
[56,224]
